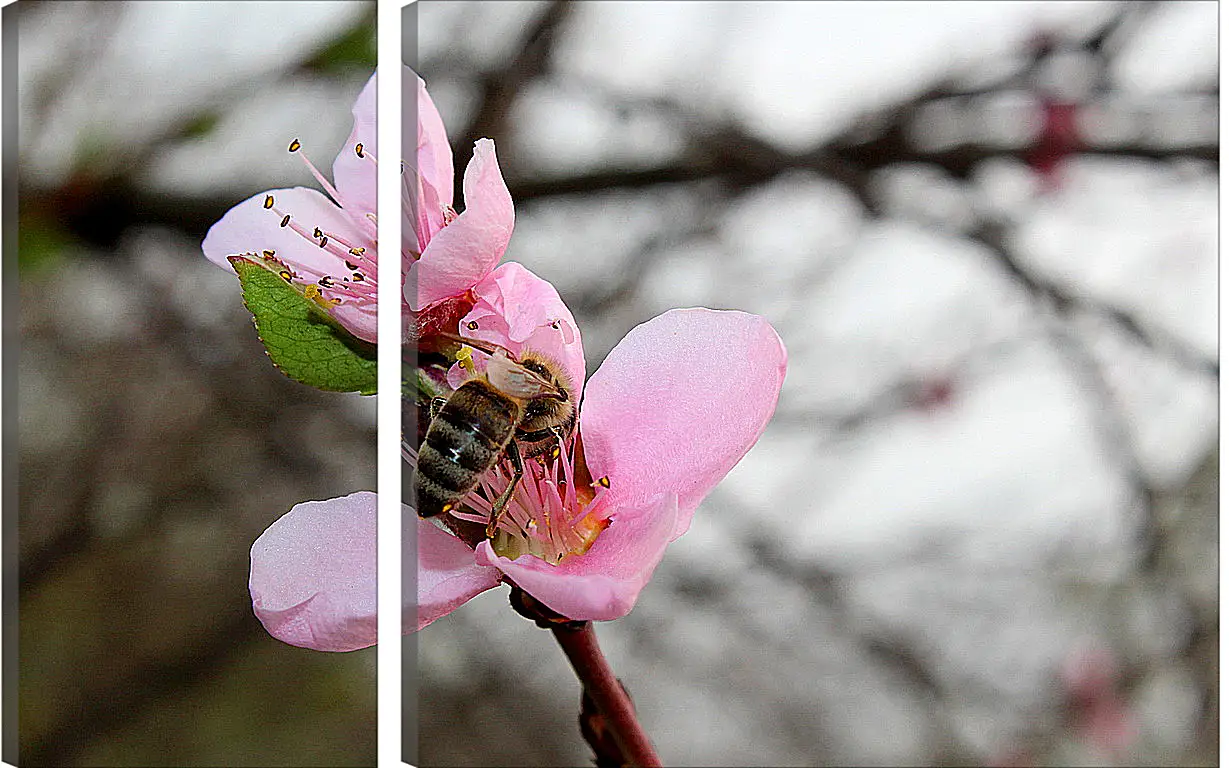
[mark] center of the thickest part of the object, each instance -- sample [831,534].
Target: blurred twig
[499,88]
[994,236]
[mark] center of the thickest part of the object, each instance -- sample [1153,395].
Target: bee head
[549,371]
[556,411]
[524,380]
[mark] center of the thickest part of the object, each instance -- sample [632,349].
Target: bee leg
[535,436]
[558,433]
[407,451]
[538,435]
[501,503]
[437,405]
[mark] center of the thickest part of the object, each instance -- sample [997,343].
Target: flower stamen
[361,284]
[544,518]
[294,148]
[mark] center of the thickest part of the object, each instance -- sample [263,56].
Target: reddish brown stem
[579,643]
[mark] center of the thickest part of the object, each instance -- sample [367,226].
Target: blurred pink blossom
[1058,139]
[1090,679]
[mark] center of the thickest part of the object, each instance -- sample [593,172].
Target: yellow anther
[357,251]
[268,201]
[603,481]
[286,275]
[472,325]
[269,254]
[465,356]
[358,149]
[449,506]
[294,145]
[313,293]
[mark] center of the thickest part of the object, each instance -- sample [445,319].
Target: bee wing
[515,380]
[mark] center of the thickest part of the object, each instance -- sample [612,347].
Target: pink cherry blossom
[329,246]
[518,310]
[313,571]
[326,246]
[677,403]
[450,253]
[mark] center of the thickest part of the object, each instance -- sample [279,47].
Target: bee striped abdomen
[466,438]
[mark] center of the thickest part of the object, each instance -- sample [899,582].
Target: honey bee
[518,407]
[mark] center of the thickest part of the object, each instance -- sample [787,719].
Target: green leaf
[302,340]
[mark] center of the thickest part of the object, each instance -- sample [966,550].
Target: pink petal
[603,583]
[516,309]
[679,401]
[429,185]
[462,253]
[447,575]
[313,579]
[359,318]
[434,151]
[354,176]
[249,227]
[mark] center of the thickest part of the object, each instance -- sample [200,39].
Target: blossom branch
[579,643]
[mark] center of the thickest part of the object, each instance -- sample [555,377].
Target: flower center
[548,516]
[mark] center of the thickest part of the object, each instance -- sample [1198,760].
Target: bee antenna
[482,346]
